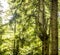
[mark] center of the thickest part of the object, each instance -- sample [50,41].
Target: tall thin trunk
[16,40]
[54,27]
[41,22]
[16,47]
[45,44]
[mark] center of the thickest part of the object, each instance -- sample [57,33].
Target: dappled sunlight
[5,5]
[29,27]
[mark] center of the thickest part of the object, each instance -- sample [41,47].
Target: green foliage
[19,35]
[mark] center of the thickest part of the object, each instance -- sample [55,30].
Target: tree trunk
[16,42]
[41,22]
[54,27]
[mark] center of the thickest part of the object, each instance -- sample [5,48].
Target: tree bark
[54,27]
[41,22]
